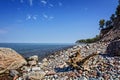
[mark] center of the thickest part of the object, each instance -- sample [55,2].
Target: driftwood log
[76,61]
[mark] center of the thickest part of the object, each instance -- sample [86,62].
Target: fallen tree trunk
[76,61]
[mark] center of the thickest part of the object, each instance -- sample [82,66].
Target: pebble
[101,67]
[36,68]
[55,76]
[100,78]
[111,78]
[33,58]
[19,78]
[51,73]
[26,69]
[93,79]
[117,79]
[36,75]
[45,60]
[82,78]
[64,78]
[13,73]
[32,63]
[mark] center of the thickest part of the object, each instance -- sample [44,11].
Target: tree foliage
[108,24]
[112,18]
[102,23]
[118,10]
[90,40]
[119,2]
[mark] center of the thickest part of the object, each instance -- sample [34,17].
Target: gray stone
[111,78]
[32,63]
[36,68]
[83,78]
[87,47]
[116,79]
[93,79]
[35,58]
[100,78]
[45,60]
[19,78]
[55,76]
[74,47]
[83,74]
[26,69]
[52,72]
[13,73]
[36,75]
[99,73]
[44,64]
[64,78]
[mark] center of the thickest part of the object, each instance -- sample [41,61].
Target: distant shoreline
[40,49]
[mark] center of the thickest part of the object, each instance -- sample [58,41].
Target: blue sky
[52,21]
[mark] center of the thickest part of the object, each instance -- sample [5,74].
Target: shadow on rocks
[64,69]
[5,77]
[113,48]
[106,55]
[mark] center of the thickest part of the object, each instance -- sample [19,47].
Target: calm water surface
[40,49]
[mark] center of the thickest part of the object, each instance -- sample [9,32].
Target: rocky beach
[102,66]
[97,59]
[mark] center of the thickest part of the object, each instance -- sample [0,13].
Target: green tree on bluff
[108,24]
[118,10]
[101,23]
[112,18]
[119,2]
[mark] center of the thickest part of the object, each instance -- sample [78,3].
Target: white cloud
[31,2]
[3,31]
[51,5]
[51,17]
[44,2]
[28,17]
[45,16]
[34,17]
[31,17]
[60,4]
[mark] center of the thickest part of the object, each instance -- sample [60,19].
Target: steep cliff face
[113,33]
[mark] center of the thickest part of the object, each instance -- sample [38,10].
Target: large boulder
[114,48]
[10,60]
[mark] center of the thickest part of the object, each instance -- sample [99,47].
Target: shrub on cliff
[90,40]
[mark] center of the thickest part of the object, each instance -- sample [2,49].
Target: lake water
[40,49]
